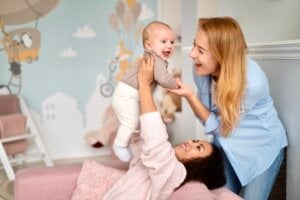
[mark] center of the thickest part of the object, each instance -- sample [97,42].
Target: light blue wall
[75,76]
[63,93]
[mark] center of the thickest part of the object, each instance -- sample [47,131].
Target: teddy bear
[170,104]
[105,135]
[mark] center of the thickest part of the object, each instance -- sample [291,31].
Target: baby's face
[161,41]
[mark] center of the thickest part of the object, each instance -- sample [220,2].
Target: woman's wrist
[190,95]
[146,99]
[143,86]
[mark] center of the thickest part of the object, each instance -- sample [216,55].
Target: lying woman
[157,169]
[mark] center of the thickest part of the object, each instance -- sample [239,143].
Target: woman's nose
[192,53]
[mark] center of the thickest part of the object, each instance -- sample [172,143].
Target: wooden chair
[16,129]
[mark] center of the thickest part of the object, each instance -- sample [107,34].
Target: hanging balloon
[113,21]
[127,22]
[120,8]
[130,4]
[138,32]
[136,11]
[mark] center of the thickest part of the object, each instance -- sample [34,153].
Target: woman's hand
[145,74]
[182,89]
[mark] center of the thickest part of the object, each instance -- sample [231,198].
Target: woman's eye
[200,148]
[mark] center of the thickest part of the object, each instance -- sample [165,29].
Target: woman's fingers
[145,73]
[182,89]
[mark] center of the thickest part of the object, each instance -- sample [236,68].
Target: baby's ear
[147,45]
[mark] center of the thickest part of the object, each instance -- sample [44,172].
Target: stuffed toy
[105,135]
[170,104]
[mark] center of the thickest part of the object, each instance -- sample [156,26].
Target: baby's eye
[172,42]
[164,41]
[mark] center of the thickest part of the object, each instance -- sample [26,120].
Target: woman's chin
[199,71]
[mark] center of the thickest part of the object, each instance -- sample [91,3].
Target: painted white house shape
[64,124]
[96,105]
[61,110]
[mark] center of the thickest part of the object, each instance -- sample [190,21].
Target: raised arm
[145,78]
[197,106]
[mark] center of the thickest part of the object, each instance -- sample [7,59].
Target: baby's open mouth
[166,53]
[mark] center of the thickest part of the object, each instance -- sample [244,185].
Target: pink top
[154,171]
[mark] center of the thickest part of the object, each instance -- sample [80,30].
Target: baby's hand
[177,79]
[182,89]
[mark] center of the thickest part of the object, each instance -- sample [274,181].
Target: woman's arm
[145,78]
[197,106]
[165,172]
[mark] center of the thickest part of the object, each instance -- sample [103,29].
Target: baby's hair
[150,26]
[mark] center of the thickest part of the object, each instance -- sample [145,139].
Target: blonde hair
[228,45]
[148,28]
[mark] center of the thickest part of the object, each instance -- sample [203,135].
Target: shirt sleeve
[212,123]
[162,76]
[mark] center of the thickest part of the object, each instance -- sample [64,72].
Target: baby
[158,41]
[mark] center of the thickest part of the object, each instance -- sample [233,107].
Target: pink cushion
[13,125]
[51,183]
[9,104]
[95,180]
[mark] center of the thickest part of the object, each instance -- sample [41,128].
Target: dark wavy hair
[208,170]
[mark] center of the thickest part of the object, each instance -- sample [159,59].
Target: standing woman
[233,101]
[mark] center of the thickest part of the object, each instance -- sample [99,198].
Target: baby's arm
[162,76]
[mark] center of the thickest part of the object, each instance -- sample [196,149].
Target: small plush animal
[106,133]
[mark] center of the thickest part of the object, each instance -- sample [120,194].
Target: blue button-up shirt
[259,135]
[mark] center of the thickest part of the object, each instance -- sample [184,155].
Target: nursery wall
[265,20]
[281,62]
[63,86]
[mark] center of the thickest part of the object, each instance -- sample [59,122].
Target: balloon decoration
[124,21]
[138,31]
[136,10]
[120,9]
[130,3]
[113,21]
[128,21]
